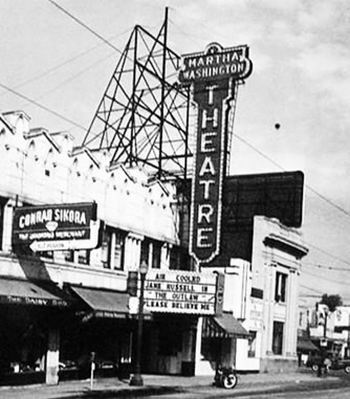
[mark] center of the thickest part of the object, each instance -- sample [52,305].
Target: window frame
[281,287]
[277,337]
[111,238]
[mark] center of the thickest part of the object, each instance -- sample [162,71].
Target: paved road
[258,386]
[341,393]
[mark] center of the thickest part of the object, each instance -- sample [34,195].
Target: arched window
[76,167]
[49,162]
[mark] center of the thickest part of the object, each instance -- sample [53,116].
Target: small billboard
[56,227]
[175,291]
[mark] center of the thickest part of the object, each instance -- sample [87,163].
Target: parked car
[335,362]
[341,364]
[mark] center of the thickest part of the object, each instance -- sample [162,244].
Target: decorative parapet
[45,167]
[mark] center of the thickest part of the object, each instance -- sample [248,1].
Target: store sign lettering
[56,227]
[12,299]
[216,63]
[213,76]
[180,292]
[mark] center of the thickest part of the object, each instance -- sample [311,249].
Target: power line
[332,203]
[43,107]
[84,129]
[343,282]
[311,289]
[78,74]
[328,253]
[345,269]
[85,26]
[62,64]
[324,198]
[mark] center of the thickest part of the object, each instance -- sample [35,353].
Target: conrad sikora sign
[180,292]
[214,76]
[56,227]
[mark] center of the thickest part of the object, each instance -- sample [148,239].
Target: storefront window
[277,338]
[83,256]
[175,258]
[151,251]
[118,252]
[105,248]
[68,256]
[2,208]
[157,250]
[112,249]
[45,254]
[23,336]
[252,344]
[145,244]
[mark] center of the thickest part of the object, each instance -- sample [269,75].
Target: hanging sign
[175,291]
[56,227]
[214,76]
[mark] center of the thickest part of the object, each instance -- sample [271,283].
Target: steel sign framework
[143,117]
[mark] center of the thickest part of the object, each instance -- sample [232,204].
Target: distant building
[263,294]
[325,329]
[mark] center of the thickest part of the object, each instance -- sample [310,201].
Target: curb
[303,386]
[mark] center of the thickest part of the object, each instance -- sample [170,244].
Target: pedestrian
[327,364]
[320,364]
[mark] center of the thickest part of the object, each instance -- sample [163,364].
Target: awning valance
[34,293]
[305,344]
[223,326]
[104,303]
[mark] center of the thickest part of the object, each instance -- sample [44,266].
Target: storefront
[30,312]
[219,336]
[102,329]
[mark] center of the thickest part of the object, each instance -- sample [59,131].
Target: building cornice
[294,248]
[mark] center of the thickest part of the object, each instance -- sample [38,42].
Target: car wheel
[229,381]
[314,367]
[347,369]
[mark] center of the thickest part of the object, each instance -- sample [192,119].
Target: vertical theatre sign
[214,76]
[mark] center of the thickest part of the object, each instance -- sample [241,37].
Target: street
[340,393]
[289,386]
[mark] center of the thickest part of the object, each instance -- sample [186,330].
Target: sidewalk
[158,385]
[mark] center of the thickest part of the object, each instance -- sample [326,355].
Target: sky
[300,80]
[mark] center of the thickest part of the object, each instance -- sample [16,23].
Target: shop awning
[35,293]
[104,303]
[305,344]
[223,326]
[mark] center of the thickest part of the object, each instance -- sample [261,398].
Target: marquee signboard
[214,76]
[180,292]
[216,63]
[56,227]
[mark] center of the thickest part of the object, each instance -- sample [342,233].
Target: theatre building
[59,306]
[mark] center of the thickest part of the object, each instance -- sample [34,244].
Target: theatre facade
[222,270]
[72,230]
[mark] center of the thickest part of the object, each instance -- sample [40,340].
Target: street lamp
[325,323]
[136,379]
